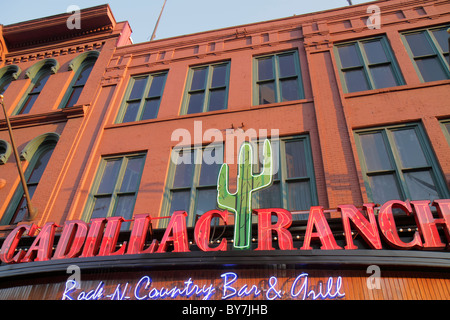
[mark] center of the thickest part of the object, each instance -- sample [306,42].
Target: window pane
[198,79]
[295,159]
[356,80]
[109,177]
[349,56]
[409,149]
[206,200]
[442,38]
[124,207]
[74,96]
[419,44]
[375,153]
[131,112]
[270,197]
[138,88]
[40,83]
[431,69]
[219,76]
[84,75]
[217,100]
[287,65]
[31,99]
[299,196]
[447,126]
[184,169]
[101,206]
[157,86]
[20,211]
[211,163]
[150,109]
[421,185]
[384,188]
[40,166]
[180,201]
[289,90]
[375,52]
[7,79]
[265,69]
[132,175]
[196,102]
[383,77]
[267,93]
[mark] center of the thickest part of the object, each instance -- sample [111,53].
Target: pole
[157,21]
[31,210]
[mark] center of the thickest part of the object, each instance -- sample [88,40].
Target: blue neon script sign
[301,288]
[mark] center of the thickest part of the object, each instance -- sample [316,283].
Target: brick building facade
[357,113]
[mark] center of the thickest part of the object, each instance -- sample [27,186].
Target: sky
[179,17]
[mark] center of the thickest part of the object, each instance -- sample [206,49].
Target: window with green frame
[397,163]
[80,80]
[115,187]
[17,208]
[38,84]
[7,75]
[446,127]
[428,50]
[294,185]
[142,97]
[192,182]
[367,64]
[277,78]
[207,88]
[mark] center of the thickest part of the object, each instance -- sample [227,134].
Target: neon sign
[300,289]
[99,238]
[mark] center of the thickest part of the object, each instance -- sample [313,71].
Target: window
[429,51]
[115,188]
[397,163]
[446,127]
[39,75]
[207,88]
[277,78]
[192,182]
[294,186]
[142,98]
[7,75]
[367,64]
[17,208]
[81,77]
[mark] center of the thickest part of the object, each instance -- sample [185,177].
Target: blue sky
[179,16]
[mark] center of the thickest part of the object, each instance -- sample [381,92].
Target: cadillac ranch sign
[99,238]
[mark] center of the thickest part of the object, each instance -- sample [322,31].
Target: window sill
[395,89]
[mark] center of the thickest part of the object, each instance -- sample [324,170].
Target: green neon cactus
[240,202]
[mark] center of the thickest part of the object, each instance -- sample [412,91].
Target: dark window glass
[419,44]
[356,80]
[431,69]
[383,76]
[349,56]
[265,69]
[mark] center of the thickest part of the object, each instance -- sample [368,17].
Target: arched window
[82,66]
[7,75]
[38,152]
[5,151]
[39,74]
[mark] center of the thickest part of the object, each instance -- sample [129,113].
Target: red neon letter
[368,230]
[324,234]
[177,226]
[110,237]
[428,225]
[142,224]
[265,228]
[94,237]
[42,245]
[389,229]
[202,230]
[443,208]
[71,240]
[12,240]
